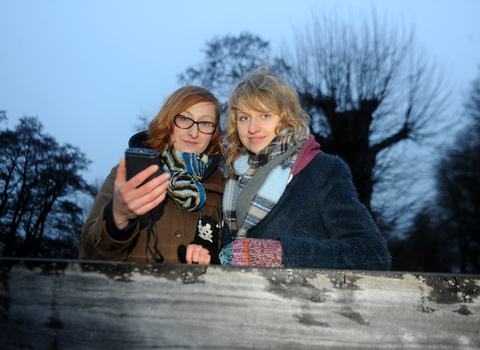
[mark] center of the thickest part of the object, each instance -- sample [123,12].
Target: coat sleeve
[330,201]
[95,242]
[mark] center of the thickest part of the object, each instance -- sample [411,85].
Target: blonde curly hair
[263,87]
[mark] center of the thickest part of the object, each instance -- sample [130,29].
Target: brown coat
[175,226]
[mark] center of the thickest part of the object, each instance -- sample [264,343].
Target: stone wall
[55,304]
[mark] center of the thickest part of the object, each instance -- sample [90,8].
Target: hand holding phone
[128,202]
[139,159]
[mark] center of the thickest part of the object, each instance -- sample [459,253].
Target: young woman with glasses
[176,216]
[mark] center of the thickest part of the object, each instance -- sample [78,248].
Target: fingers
[131,201]
[206,259]
[141,201]
[197,254]
[150,190]
[189,255]
[138,179]
[121,173]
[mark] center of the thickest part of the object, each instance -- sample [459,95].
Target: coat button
[186,236]
[178,233]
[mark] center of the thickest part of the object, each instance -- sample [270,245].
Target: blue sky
[87,68]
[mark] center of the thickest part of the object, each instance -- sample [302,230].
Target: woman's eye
[206,123]
[185,119]
[265,116]
[242,118]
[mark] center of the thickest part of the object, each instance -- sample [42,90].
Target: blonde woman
[286,203]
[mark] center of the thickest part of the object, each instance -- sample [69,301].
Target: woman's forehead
[255,105]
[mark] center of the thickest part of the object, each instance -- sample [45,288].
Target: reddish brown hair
[162,125]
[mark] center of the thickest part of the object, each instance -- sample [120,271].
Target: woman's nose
[193,131]
[253,127]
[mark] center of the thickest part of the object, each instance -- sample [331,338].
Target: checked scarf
[245,168]
[186,171]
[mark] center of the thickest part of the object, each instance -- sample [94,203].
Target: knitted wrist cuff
[226,255]
[256,252]
[262,252]
[240,252]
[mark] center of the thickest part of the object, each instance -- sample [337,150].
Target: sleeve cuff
[114,232]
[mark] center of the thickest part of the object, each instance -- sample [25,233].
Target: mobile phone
[139,159]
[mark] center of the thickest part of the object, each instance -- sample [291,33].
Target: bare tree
[428,246]
[37,180]
[374,99]
[472,104]
[368,89]
[458,184]
[445,235]
[144,120]
[227,60]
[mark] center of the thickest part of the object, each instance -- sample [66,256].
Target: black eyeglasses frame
[193,123]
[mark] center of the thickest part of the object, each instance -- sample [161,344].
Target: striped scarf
[186,171]
[245,168]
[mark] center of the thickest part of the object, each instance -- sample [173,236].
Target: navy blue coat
[321,223]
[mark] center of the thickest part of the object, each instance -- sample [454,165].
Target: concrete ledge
[55,304]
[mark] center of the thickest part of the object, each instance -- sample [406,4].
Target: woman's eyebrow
[190,114]
[208,116]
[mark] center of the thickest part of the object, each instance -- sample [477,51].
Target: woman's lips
[190,143]
[256,139]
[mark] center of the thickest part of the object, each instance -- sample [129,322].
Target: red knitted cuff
[256,252]
[263,252]
[240,252]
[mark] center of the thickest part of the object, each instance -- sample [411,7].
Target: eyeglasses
[204,127]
